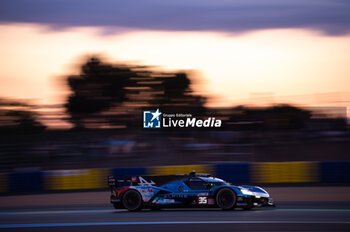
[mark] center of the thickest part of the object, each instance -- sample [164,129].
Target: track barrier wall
[3,183]
[75,179]
[119,173]
[236,173]
[284,172]
[25,181]
[180,169]
[335,172]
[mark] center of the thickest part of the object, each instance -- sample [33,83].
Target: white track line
[60,212]
[167,223]
[124,210]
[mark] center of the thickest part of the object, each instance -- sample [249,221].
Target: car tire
[132,200]
[226,199]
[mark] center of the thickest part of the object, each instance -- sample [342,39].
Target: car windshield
[212,184]
[214,181]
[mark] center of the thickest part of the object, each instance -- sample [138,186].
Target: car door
[198,190]
[172,194]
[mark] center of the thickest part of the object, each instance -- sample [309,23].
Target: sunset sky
[283,49]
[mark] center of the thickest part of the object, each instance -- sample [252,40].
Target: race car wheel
[226,199]
[132,200]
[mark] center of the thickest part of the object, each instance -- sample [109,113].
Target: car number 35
[202,200]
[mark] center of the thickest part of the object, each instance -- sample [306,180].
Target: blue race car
[184,191]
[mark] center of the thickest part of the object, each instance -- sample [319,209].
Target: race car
[184,191]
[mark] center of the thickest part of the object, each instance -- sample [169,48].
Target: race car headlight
[246,192]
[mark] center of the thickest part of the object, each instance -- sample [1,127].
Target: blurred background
[75,78]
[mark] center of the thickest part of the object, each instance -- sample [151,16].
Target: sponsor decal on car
[176,196]
[202,200]
[143,182]
[122,190]
[145,193]
[202,194]
[164,201]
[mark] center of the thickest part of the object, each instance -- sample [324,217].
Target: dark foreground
[288,216]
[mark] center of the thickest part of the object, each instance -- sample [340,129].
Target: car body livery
[137,192]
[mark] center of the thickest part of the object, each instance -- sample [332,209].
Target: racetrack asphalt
[105,218]
[287,216]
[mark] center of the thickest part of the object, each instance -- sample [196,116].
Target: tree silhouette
[96,89]
[15,116]
[177,96]
[279,117]
[115,94]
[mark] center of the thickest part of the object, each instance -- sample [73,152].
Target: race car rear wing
[113,182]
